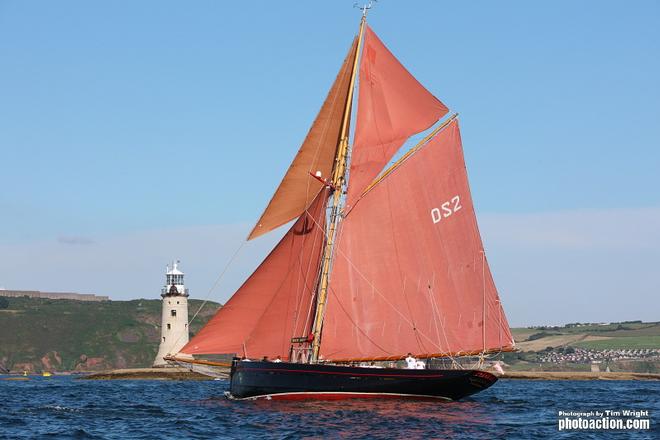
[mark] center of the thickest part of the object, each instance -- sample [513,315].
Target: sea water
[64,407]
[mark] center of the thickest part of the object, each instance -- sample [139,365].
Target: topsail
[392,106]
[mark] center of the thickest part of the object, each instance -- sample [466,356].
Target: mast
[338,180]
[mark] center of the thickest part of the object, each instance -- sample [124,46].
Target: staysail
[392,106]
[317,153]
[275,303]
[409,271]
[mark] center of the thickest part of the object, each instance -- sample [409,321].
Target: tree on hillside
[4,302]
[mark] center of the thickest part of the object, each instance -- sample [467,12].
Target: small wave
[8,422]
[71,433]
[61,408]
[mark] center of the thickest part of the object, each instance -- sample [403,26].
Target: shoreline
[577,375]
[179,373]
[166,373]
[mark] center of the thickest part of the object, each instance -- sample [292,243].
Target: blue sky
[132,133]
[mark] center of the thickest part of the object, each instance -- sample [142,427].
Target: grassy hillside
[624,335]
[621,346]
[624,343]
[58,335]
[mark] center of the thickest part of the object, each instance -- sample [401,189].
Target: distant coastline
[178,373]
[53,295]
[94,335]
[578,375]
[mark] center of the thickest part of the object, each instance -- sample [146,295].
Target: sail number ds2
[448,208]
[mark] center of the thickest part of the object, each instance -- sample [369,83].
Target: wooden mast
[338,180]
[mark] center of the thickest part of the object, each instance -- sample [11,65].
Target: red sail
[392,106]
[409,274]
[274,304]
[317,153]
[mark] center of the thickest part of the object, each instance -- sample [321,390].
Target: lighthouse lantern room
[174,331]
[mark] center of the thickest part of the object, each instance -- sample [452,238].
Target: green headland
[39,334]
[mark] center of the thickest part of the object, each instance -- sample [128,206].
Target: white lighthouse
[174,331]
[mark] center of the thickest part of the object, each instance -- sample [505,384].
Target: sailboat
[384,260]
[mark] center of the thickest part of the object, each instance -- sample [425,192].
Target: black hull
[287,381]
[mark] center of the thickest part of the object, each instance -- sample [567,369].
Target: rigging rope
[217,281]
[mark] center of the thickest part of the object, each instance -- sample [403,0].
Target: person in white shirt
[278,359]
[420,365]
[411,362]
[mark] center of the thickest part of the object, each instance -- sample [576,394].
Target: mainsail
[392,106]
[409,270]
[317,153]
[275,303]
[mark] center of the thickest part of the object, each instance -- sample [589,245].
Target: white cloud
[75,240]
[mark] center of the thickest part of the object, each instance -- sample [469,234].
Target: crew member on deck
[411,362]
